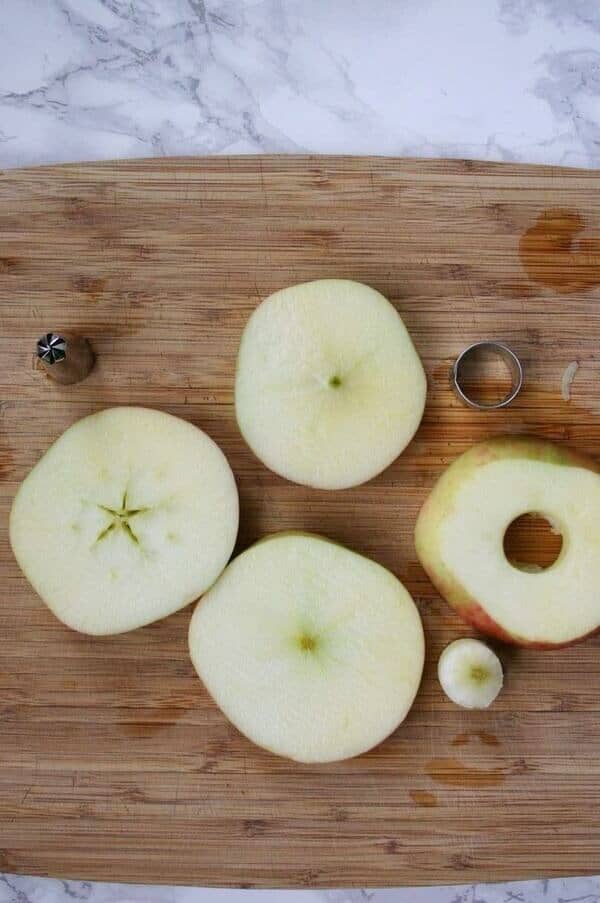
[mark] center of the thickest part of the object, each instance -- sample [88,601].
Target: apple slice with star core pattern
[130,515]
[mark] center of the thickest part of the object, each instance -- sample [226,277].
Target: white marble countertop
[492,79]
[489,79]
[47,890]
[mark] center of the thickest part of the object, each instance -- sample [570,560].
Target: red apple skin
[439,503]
[474,615]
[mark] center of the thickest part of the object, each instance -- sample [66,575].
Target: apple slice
[129,516]
[470,673]
[329,387]
[460,531]
[312,651]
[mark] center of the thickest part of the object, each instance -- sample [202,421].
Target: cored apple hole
[484,376]
[531,543]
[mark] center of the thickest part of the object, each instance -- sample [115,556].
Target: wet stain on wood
[6,462]
[9,265]
[460,861]
[154,721]
[454,773]
[487,739]
[484,737]
[254,827]
[552,257]
[91,286]
[424,798]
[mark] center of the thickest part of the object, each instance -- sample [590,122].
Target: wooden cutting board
[114,762]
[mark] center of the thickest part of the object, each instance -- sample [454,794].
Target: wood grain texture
[114,762]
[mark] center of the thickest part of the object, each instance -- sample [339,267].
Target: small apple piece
[460,532]
[470,674]
[329,387]
[129,516]
[312,651]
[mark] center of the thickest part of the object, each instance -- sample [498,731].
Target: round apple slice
[312,651]
[460,533]
[129,516]
[329,387]
[470,674]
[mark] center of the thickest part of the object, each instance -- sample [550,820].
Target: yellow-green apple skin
[460,531]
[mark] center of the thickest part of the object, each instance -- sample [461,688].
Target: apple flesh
[460,531]
[329,387]
[129,516]
[470,674]
[312,651]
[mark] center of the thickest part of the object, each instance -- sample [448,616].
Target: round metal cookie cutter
[511,360]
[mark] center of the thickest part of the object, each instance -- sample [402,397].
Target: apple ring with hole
[130,515]
[329,388]
[312,651]
[460,531]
